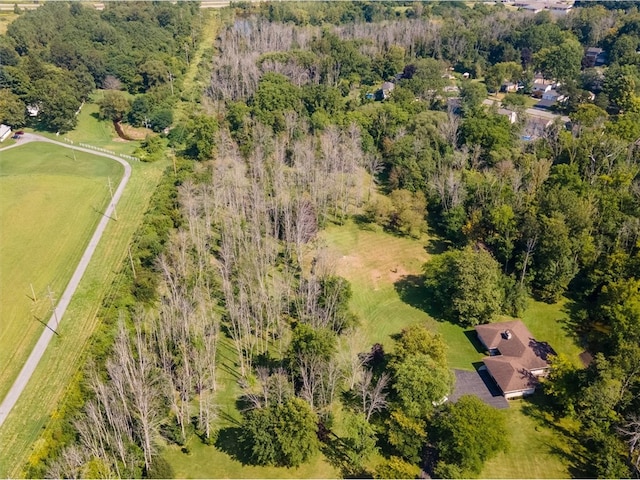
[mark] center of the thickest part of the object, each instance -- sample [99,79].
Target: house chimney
[507,334]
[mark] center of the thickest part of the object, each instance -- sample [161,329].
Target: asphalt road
[58,314]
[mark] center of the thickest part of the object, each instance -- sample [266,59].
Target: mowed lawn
[385,274]
[50,204]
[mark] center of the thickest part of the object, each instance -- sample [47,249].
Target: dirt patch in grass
[134,133]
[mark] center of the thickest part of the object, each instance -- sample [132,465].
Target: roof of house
[4,128]
[509,374]
[388,86]
[545,103]
[594,51]
[520,353]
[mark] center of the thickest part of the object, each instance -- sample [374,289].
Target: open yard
[50,204]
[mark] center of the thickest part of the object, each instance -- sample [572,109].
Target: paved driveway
[480,384]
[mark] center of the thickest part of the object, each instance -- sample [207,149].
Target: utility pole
[133,267]
[115,214]
[33,294]
[53,305]
[186,52]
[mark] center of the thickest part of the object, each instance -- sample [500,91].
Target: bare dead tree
[630,431]
[373,396]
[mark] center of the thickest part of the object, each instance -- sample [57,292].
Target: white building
[5,131]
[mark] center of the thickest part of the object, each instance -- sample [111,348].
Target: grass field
[50,204]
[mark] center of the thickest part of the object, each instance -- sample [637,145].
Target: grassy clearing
[24,425]
[539,446]
[5,19]
[388,295]
[208,462]
[50,204]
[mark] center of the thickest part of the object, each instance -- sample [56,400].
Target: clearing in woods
[50,205]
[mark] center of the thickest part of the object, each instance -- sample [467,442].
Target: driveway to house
[480,384]
[533,112]
[57,316]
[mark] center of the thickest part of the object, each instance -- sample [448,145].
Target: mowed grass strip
[19,435]
[50,205]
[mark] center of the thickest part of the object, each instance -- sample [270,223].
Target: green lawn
[208,462]
[95,132]
[539,446]
[50,204]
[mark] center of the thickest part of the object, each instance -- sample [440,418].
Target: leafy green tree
[406,434]
[283,434]
[396,467]
[151,149]
[409,210]
[626,127]
[201,137]
[468,433]
[360,442]
[419,340]
[161,119]
[553,258]
[620,84]
[12,109]
[619,310]
[466,283]
[588,115]
[561,62]
[274,96]
[420,382]
[472,94]
[491,132]
[113,106]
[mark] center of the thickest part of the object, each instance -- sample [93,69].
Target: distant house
[509,87]
[534,127]
[516,359]
[531,8]
[5,131]
[560,8]
[386,89]
[510,114]
[540,84]
[594,57]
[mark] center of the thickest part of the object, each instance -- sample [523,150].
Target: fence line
[104,150]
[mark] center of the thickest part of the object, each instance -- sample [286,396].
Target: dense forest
[295,132]
[54,57]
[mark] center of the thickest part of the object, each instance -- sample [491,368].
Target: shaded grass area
[540,447]
[204,461]
[50,205]
[20,434]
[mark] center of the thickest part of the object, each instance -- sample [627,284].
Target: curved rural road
[37,352]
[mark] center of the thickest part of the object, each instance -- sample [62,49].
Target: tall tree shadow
[412,291]
[228,441]
[539,408]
